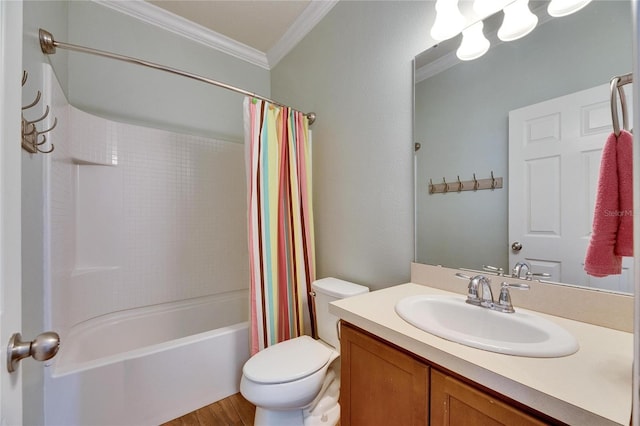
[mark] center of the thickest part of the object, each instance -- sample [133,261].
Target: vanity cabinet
[383,385]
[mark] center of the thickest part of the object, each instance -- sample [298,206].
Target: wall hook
[30,134]
[34,103]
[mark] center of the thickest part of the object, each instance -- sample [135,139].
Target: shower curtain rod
[48,46]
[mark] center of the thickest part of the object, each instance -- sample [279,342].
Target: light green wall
[462,124]
[354,69]
[138,95]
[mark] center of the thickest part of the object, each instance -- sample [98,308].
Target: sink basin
[519,333]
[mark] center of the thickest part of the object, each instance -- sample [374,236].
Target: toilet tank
[326,291]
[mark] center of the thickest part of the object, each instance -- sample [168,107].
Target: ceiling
[259,24]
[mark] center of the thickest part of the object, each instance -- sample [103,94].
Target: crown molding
[166,20]
[307,20]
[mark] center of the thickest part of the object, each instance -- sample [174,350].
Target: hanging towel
[612,235]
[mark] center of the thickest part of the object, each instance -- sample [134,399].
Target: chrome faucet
[486,298]
[518,269]
[479,293]
[479,290]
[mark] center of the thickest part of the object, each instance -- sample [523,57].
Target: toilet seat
[287,361]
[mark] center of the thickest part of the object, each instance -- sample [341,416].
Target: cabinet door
[455,403]
[380,385]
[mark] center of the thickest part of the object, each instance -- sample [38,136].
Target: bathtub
[149,365]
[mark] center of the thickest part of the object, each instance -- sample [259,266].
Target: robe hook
[34,103]
[53,126]
[46,112]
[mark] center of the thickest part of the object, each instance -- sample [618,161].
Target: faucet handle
[530,275]
[504,300]
[494,269]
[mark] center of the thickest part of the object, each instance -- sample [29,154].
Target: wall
[462,123]
[138,95]
[354,69]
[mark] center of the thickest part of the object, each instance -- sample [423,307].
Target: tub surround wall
[141,216]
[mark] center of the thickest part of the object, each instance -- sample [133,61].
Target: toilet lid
[287,361]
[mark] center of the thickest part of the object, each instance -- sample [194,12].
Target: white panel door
[554,161]
[10,183]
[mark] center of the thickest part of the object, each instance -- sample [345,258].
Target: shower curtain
[280,222]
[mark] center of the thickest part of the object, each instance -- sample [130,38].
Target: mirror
[461,121]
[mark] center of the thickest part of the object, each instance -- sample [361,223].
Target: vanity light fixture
[474,43]
[449,21]
[484,8]
[518,21]
[558,8]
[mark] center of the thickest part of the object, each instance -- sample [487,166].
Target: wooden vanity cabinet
[383,385]
[379,384]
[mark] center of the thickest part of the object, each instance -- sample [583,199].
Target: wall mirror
[461,121]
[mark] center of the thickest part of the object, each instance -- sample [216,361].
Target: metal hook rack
[467,185]
[32,138]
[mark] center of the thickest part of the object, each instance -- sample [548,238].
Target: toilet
[297,382]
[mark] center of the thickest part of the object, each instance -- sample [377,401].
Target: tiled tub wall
[141,216]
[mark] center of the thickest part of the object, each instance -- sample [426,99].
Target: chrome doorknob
[43,347]
[516,246]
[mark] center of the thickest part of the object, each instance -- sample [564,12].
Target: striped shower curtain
[280,222]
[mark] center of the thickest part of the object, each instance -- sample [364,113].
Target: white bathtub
[149,365]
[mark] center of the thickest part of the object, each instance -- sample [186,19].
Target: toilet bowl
[296,382]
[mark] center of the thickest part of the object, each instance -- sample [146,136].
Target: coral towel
[612,235]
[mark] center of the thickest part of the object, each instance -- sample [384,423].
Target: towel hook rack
[474,184]
[31,140]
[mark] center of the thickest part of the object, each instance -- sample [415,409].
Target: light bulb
[558,8]
[518,21]
[486,8]
[449,21]
[474,44]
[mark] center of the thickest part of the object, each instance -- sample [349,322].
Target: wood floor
[231,411]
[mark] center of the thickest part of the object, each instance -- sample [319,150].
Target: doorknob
[516,246]
[43,347]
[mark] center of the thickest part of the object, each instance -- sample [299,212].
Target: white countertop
[592,386]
